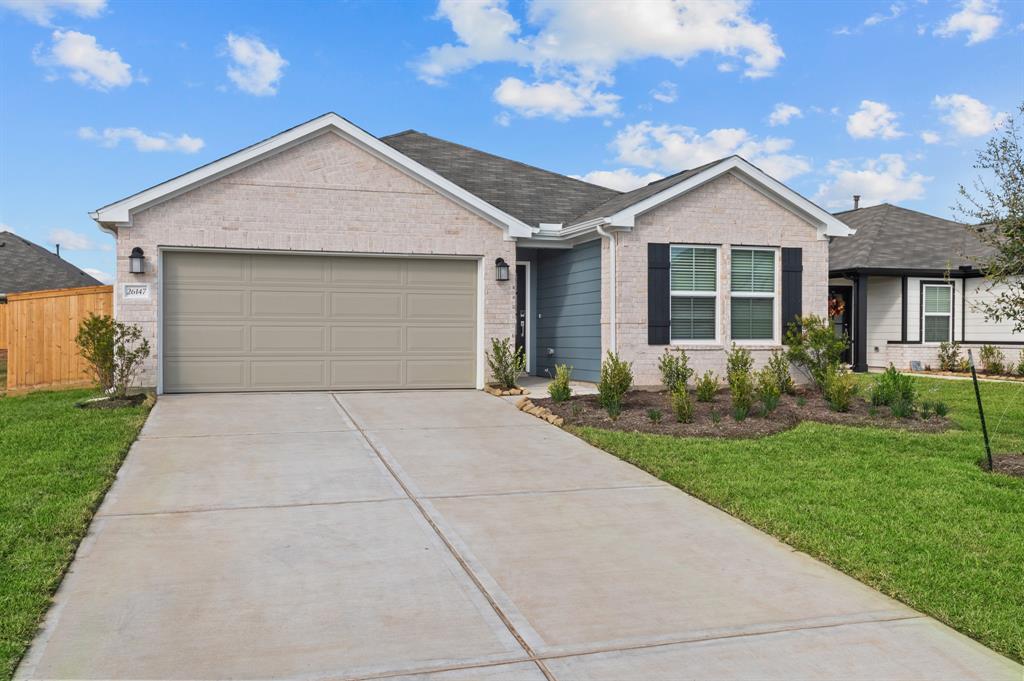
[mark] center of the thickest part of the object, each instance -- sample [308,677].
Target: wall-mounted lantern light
[135,261]
[501,269]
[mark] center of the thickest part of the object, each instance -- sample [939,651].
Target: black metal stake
[981,411]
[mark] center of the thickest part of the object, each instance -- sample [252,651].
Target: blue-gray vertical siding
[569,307]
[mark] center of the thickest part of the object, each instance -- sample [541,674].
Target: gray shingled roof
[890,237]
[24,266]
[525,192]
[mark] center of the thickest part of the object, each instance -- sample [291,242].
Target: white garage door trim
[480,303]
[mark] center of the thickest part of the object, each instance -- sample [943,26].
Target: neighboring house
[326,258]
[24,266]
[909,281]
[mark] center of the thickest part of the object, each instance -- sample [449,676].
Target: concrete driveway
[445,536]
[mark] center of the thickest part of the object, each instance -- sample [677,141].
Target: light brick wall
[325,194]
[900,356]
[725,212]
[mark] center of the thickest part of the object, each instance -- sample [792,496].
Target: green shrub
[616,380]
[893,386]
[840,389]
[903,409]
[801,401]
[949,356]
[738,361]
[707,386]
[941,408]
[559,388]
[716,418]
[814,347]
[506,362]
[654,415]
[114,351]
[926,409]
[682,405]
[993,361]
[1020,364]
[778,364]
[768,391]
[741,383]
[675,369]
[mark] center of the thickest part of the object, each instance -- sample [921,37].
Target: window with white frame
[693,282]
[938,312]
[753,294]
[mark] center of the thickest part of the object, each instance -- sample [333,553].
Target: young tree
[995,209]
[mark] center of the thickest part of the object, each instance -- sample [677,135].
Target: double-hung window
[693,277]
[938,312]
[753,294]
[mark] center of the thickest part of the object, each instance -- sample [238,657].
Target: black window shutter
[792,286]
[657,294]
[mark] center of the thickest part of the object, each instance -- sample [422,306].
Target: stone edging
[527,405]
[499,392]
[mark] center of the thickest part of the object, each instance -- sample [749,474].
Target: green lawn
[910,514]
[56,462]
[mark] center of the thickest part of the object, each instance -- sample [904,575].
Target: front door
[840,309]
[521,308]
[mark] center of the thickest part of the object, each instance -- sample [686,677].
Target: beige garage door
[295,322]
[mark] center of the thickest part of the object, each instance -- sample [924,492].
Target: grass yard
[910,514]
[56,462]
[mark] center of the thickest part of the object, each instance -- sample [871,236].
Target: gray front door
[251,322]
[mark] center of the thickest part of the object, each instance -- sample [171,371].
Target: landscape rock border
[527,405]
[505,392]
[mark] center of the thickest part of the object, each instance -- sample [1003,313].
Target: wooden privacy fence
[40,335]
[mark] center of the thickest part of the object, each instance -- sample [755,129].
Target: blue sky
[100,98]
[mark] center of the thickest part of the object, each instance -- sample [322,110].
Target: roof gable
[25,266]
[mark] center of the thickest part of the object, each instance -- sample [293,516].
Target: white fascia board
[827,224]
[120,212]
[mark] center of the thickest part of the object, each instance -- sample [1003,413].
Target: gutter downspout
[613,286]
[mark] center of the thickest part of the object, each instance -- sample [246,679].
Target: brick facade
[725,212]
[325,194]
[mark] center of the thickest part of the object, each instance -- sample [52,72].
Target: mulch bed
[1007,464]
[584,410]
[111,403]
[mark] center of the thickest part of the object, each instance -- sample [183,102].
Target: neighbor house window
[694,285]
[753,294]
[938,312]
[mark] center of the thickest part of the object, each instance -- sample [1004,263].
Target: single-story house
[909,281]
[327,258]
[25,266]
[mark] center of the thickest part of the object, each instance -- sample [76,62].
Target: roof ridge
[503,158]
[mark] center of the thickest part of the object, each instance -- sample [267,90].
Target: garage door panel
[288,338]
[366,339]
[296,322]
[369,373]
[199,338]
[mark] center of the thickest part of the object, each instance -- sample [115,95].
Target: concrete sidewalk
[445,536]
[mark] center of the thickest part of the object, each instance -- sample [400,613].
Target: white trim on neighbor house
[826,224]
[119,213]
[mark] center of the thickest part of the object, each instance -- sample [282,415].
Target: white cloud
[580,44]
[873,119]
[111,137]
[782,114]
[674,147]
[42,12]
[930,137]
[726,67]
[895,10]
[880,180]
[666,92]
[558,99]
[504,119]
[104,277]
[967,115]
[979,19]
[257,68]
[71,240]
[622,180]
[88,63]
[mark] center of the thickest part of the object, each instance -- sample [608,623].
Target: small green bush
[1020,364]
[738,361]
[949,356]
[707,386]
[654,415]
[506,362]
[926,409]
[716,418]
[778,364]
[801,401]
[768,391]
[941,408]
[682,405]
[741,383]
[114,351]
[893,386]
[993,361]
[559,388]
[675,368]
[902,409]
[616,380]
[840,389]
[814,346]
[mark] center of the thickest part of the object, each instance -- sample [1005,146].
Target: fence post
[981,410]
